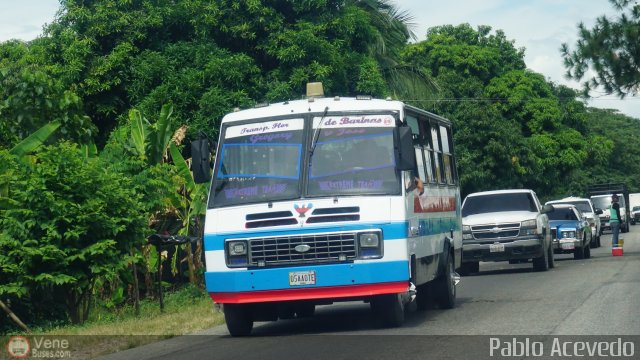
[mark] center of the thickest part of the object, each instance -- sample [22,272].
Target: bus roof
[318,105]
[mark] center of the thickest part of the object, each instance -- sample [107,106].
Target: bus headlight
[370,245]
[237,248]
[369,240]
[237,251]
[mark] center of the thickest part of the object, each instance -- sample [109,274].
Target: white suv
[505,225]
[590,212]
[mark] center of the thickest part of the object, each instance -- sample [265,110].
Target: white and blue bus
[323,200]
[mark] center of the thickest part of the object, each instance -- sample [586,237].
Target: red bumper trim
[334,292]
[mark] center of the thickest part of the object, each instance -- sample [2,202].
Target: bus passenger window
[420,163]
[428,156]
[445,138]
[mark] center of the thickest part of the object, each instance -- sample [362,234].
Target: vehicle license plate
[298,278]
[496,248]
[568,246]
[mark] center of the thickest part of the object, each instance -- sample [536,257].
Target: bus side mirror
[547,209]
[406,153]
[200,156]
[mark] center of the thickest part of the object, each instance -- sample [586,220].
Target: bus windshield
[353,160]
[259,162]
[266,161]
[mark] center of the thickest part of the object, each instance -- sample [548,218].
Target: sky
[540,26]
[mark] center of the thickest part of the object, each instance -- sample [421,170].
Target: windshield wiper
[316,134]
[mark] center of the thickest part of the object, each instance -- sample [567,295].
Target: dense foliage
[140,79]
[76,219]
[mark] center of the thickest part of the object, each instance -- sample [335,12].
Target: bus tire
[424,298]
[238,319]
[389,309]
[445,287]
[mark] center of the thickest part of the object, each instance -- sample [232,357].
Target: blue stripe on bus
[326,275]
[392,231]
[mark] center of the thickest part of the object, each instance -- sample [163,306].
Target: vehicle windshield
[583,205]
[498,202]
[352,159]
[562,214]
[601,202]
[259,162]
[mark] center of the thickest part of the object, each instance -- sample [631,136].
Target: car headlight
[568,234]
[466,232]
[530,223]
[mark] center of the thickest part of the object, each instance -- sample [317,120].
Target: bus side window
[446,154]
[420,162]
[421,130]
[412,121]
[428,157]
[437,153]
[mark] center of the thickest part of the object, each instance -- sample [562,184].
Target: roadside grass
[110,330]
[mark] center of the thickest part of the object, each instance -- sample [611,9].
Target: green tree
[618,143]
[209,57]
[31,98]
[512,127]
[611,49]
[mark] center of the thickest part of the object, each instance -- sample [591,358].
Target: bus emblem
[302,248]
[302,209]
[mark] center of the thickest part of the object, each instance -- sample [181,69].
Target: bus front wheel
[389,309]
[238,318]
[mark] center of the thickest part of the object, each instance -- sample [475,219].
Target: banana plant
[151,141]
[192,204]
[35,140]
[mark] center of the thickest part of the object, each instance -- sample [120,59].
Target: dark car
[635,215]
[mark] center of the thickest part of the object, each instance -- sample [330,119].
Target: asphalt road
[599,296]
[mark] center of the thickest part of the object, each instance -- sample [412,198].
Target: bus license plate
[568,246]
[496,248]
[298,278]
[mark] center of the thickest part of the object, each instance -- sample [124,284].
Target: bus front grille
[305,249]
